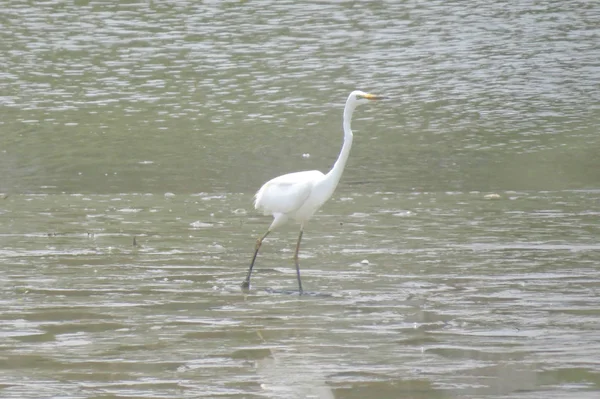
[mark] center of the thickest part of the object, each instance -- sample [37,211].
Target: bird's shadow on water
[275,291]
[259,291]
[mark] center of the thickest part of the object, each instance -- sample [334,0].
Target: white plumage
[292,196]
[297,196]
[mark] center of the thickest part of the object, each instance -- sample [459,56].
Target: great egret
[299,195]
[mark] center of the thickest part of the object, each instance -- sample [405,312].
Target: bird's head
[358,97]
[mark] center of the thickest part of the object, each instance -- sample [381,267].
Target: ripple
[461,296]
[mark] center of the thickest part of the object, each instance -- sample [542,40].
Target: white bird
[299,195]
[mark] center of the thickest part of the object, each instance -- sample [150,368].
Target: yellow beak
[369,96]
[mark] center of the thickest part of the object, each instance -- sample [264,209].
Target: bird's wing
[287,193]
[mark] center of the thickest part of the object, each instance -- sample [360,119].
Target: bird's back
[287,193]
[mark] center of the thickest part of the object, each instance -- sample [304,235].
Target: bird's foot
[245,285]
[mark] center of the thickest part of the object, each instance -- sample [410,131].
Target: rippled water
[429,295]
[458,257]
[165,96]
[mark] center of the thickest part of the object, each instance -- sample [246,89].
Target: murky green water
[458,257]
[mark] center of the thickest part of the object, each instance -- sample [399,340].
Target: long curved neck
[335,173]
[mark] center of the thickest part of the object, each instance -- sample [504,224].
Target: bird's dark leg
[297,264]
[246,283]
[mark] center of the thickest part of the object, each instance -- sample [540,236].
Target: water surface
[457,258]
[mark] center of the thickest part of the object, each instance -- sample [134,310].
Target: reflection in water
[458,256]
